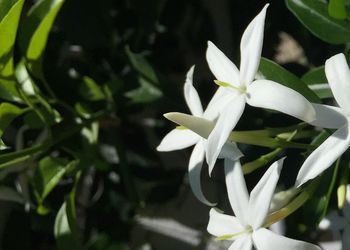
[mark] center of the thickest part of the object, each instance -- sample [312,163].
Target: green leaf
[90,90]
[8,90]
[35,31]
[143,67]
[49,172]
[336,9]
[272,71]
[10,12]
[8,112]
[313,14]
[66,229]
[9,194]
[145,93]
[317,82]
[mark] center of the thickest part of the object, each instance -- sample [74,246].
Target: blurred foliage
[84,84]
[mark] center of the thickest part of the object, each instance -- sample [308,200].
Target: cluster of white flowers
[210,129]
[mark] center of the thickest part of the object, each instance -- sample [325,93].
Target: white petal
[226,122]
[242,243]
[237,190]
[346,238]
[194,172]
[218,102]
[191,95]
[324,156]
[338,75]
[198,125]
[328,116]
[230,151]
[223,69]
[178,139]
[261,195]
[266,240]
[271,95]
[251,45]
[221,224]
[282,198]
[333,222]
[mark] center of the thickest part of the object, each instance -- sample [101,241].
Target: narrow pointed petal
[328,116]
[271,95]
[221,224]
[178,139]
[199,126]
[191,95]
[226,122]
[223,69]
[230,151]
[242,243]
[338,75]
[251,46]
[324,156]
[218,102]
[267,240]
[261,195]
[237,190]
[194,172]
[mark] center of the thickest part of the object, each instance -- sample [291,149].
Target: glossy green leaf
[65,228]
[9,91]
[9,194]
[317,82]
[336,9]
[8,112]
[313,14]
[90,90]
[10,12]
[35,32]
[272,71]
[49,172]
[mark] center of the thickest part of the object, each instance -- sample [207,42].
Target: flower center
[241,89]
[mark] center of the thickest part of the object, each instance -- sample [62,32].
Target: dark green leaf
[10,11]
[47,175]
[272,71]
[9,194]
[35,31]
[90,90]
[8,112]
[336,9]
[145,93]
[317,82]
[8,90]
[313,14]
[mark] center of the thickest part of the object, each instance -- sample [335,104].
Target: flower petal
[230,151]
[242,243]
[271,95]
[178,139]
[261,195]
[324,156]
[191,95]
[218,102]
[194,172]
[223,68]
[251,46]
[338,75]
[267,240]
[226,122]
[221,224]
[237,190]
[328,116]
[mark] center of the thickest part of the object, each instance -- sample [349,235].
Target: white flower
[337,223]
[238,88]
[182,138]
[246,227]
[338,75]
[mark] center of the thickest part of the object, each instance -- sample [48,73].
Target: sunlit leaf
[90,90]
[35,32]
[336,9]
[313,14]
